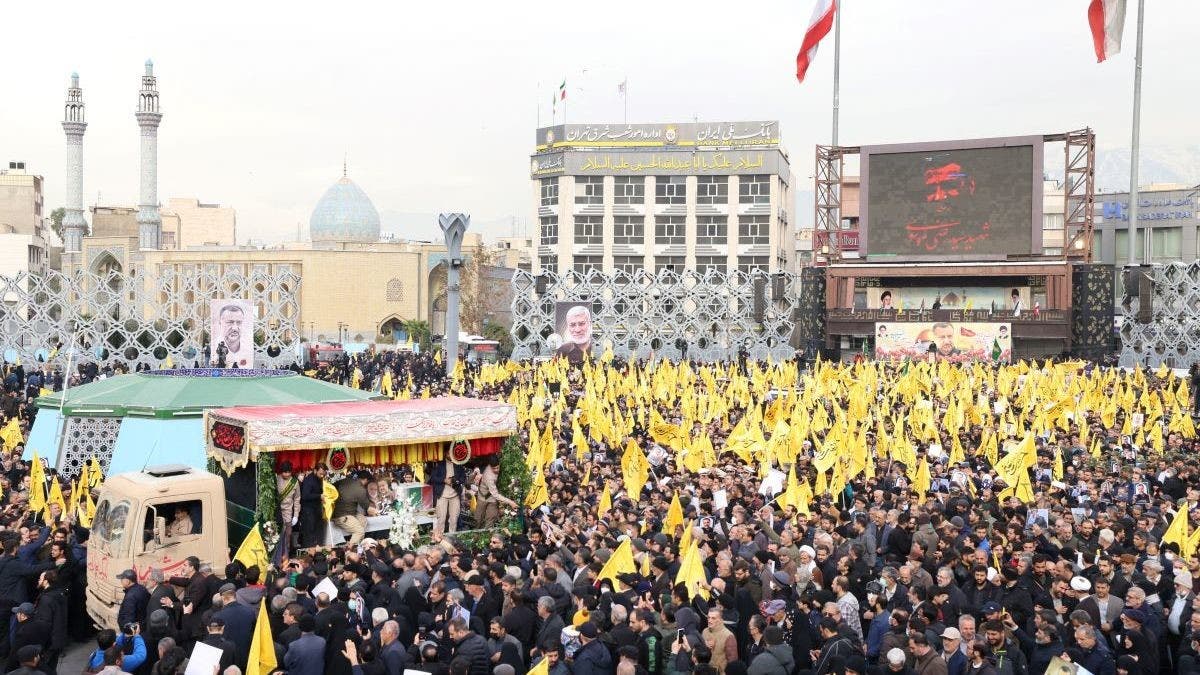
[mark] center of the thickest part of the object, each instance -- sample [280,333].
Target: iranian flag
[562,91]
[1107,20]
[818,28]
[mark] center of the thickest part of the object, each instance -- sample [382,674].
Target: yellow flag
[674,516]
[87,510]
[621,562]
[537,490]
[605,504]
[418,469]
[922,481]
[329,495]
[262,645]
[1058,465]
[691,572]
[385,386]
[542,667]
[1178,531]
[56,497]
[253,550]
[437,357]
[11,434]
[37,485]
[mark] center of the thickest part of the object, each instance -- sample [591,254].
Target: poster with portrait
[573,329]
[232,333]
[948,340]
[1000,299]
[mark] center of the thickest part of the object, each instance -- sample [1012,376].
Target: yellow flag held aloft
[1178,531]
[56,497]
[605,504]
[537,490]
[37,485]
[674,516]
[11,434]
[253,550]
[691,573]
[87,510]
[262,645]
[621,562]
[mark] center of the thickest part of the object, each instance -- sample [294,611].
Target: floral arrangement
[270,534]
[404,524]
[513,481]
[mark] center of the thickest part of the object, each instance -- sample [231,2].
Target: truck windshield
[109,523]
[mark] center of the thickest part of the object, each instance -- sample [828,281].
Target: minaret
[74,125]
[148,117]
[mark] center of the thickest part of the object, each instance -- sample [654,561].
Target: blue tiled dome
[344,214]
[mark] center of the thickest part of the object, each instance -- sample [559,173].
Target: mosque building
[356,286]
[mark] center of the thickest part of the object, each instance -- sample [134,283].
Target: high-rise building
[690,196]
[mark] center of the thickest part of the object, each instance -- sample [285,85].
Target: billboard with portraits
[232,333]
[573,329]
[949,340]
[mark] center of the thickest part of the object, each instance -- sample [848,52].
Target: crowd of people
[874,518]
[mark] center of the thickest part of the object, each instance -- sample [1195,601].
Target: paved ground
[75,658]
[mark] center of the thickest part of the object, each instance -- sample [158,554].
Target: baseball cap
[25,608]
[990,608]
[776,606]
[588,630]
[952,633]
[127,574]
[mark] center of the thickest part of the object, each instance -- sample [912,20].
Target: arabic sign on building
[1162,206]
[659,163]
[686,134]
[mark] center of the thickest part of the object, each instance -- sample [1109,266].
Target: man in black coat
[133,605]
[469,646]
[51,613]
[26,631]
[312,508]
[216,638]
[196,598]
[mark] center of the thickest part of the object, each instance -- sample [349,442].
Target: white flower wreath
[404,523]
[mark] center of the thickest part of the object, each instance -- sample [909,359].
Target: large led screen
[973,202]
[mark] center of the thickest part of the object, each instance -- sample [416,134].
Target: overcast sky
[435,104]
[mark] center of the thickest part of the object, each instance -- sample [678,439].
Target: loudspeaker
[1092,309]
[1138,286]
[760,300]
[810,311]
[778,288]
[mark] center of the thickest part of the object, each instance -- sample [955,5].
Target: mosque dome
[344,214]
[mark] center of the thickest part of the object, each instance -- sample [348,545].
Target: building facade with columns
[355,285]
[688,196]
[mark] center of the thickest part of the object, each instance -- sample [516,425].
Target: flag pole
[837,57]
[1134,149]
[539,107]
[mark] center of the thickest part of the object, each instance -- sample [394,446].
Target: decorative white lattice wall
[1173,334]
[646,312]
[86,437]
[129,318]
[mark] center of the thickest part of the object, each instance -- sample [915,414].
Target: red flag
[1107,20]
[818,27]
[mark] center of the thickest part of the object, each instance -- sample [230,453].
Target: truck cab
[156,517]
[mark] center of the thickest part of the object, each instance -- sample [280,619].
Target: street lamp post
[454,226]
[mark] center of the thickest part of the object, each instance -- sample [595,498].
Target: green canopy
[174,394]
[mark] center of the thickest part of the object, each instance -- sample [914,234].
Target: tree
[56,218]
[418,331]
[479,291]
[497,332]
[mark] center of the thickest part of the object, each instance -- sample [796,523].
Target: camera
[130,628]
